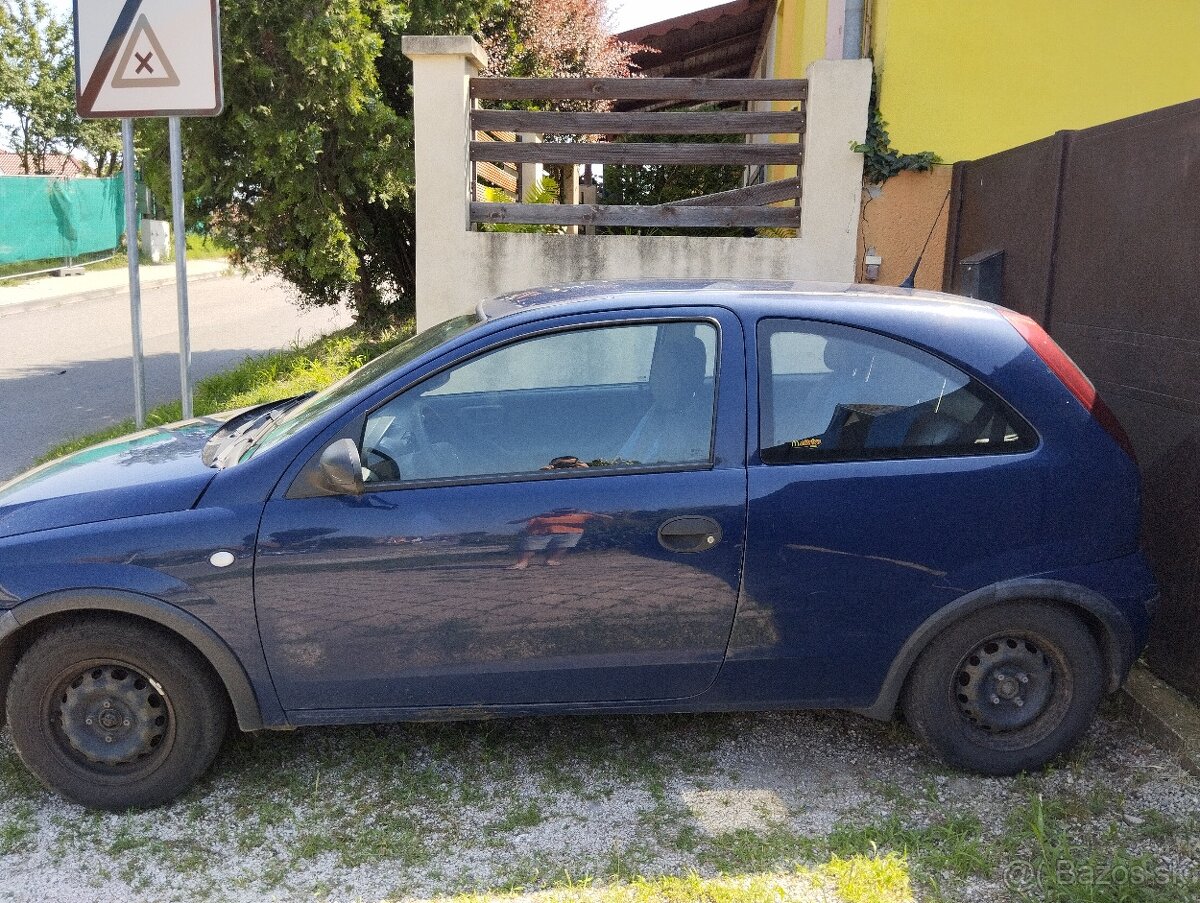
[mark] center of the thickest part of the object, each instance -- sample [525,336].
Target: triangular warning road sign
[143,64]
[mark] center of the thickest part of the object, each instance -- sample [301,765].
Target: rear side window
[829,392]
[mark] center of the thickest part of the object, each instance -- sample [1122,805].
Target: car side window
[829,392]
[620,396]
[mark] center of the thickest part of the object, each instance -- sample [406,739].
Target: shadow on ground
[44,406]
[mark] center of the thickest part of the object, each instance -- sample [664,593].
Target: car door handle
[689,534]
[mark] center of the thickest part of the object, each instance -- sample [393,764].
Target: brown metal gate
[1100,230]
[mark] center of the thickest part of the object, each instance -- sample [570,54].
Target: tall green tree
[308,173]
[37,90]
[37,78]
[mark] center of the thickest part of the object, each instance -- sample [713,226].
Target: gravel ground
[571,806]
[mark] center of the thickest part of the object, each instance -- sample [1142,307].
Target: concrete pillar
[570,190]
[839,92]
[531,174]
[589,194]
[442,69]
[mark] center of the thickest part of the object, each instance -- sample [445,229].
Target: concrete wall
[458,267]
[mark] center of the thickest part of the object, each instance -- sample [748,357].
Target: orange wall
[898,221]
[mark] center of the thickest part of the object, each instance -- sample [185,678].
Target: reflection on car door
[476,571]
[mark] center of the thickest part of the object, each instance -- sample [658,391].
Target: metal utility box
[981,276]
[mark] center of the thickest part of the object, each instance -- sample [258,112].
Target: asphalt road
[67,370]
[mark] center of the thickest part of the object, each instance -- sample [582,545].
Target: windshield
[409,350]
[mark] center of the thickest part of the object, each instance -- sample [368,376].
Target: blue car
[619,497]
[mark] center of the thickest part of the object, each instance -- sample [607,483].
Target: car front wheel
[114,714]
[1006,689]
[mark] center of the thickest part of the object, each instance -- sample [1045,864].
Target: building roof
[718,42]
[12,164]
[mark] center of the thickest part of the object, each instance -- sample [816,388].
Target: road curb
[1163,715]
[20,307]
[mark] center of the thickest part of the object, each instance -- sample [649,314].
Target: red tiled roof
[718,42]
[12,164]
[689,21]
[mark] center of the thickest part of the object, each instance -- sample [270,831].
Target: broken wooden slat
[497,176]
[754,195]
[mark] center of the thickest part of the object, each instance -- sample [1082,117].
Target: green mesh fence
[44,217]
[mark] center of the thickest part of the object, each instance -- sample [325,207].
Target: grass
[859,880]
[202,247]
[282,374]
[12,269]
[17,829]
[1061,845]
[1060,864]
[199,247]
[309,814]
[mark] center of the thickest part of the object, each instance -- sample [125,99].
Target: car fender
[230,671]
[1115,636]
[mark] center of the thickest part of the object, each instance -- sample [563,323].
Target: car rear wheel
[1006,689]
[114,714]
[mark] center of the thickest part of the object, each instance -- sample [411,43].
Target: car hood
[153,472]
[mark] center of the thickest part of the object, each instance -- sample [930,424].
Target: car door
[885,483]
[559,517]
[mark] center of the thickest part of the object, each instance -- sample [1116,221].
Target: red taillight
[1072,377]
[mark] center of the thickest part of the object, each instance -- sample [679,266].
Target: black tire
[1005,689]
[115,714]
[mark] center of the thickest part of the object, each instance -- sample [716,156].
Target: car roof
[689,292]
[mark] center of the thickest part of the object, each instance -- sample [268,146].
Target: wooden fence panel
[683,89]
[722,123]
[639,154]
[665,217]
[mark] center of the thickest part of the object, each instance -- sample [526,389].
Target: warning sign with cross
[147,58]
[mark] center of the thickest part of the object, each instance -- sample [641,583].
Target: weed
[743,850]
[523,815]
[17,829]
[951,844]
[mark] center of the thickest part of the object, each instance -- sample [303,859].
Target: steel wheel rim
[1011,690]
[109,720]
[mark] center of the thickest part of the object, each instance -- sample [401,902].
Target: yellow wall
[799,40]
[799,36]
[967,78]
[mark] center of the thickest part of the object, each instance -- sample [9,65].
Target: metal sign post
[135,284]
[181,288]
[150,58]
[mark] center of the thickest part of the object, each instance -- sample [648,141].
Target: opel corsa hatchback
[651,497]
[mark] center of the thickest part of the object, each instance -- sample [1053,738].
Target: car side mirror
[341,468]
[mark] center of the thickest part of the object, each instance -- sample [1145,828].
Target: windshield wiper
[249,425]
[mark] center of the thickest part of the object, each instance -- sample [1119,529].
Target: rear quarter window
[830,392]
